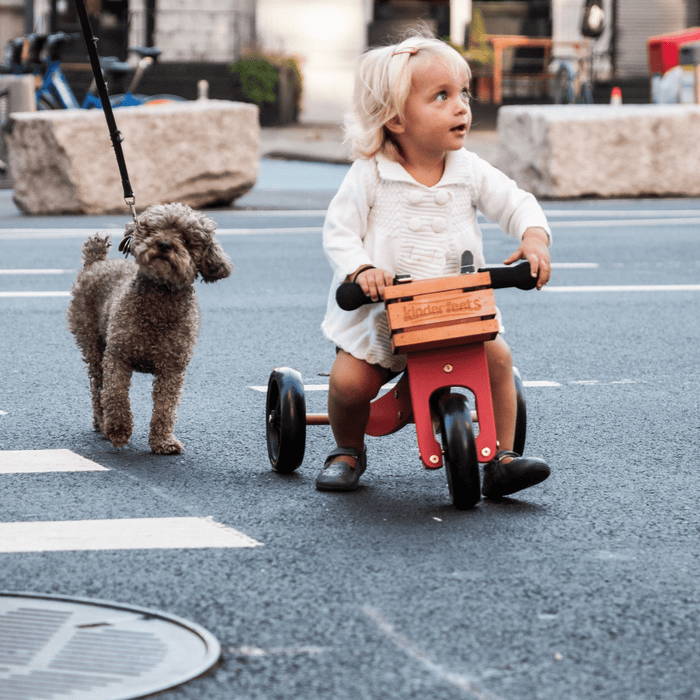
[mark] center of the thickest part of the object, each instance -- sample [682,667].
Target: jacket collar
[455,170]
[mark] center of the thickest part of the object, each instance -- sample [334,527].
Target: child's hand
[373,282]
[533,248]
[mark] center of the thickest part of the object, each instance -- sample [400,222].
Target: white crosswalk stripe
[122,533]
[108,534]
[40,461]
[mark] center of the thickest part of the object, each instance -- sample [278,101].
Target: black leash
[114,133]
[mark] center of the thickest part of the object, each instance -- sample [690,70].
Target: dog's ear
[214,264]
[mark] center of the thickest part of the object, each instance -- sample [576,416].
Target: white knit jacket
[381,216]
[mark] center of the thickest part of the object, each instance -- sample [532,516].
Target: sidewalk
[324,143]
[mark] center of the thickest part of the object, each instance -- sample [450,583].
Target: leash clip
[131,203]
[125,245]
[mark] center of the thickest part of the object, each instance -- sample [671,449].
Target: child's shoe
[503,478]
[340,475]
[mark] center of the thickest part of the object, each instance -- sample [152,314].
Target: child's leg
[507,472]
[503,394]
[353,385]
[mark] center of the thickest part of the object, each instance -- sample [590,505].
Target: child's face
[436,113]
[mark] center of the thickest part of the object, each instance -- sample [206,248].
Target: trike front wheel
[459,446]
[521,414]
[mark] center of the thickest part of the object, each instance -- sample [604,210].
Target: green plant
[258,77]
[479,52]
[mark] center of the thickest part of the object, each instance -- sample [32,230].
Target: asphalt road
[584,587]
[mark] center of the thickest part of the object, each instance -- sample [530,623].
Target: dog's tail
[96,248]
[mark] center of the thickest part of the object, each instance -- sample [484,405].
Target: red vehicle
[440,325]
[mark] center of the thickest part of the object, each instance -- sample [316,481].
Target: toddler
[409,205]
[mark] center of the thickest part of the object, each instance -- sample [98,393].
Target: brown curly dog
[143,316]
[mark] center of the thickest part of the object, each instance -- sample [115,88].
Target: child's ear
[395,125]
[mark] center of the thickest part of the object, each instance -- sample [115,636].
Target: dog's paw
[168,446]
[118,435]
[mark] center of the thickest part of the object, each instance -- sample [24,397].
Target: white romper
[381,216]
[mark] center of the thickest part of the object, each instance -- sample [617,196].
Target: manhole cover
[57,647]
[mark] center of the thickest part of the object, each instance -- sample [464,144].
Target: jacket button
[414,197]
[439,225]
[442,197]
[415,224]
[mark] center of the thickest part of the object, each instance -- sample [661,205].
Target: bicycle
[441,325]
[574,78]
[56,93]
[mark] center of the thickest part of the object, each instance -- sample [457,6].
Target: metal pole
[28,16]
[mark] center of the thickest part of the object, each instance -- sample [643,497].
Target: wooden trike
[440,325]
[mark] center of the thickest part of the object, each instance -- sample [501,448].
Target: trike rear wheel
[459,446]
[285,420]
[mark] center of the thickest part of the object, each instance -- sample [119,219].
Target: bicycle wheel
[586,96]
[459,446]
[563,92]
[46,102]
[4,114]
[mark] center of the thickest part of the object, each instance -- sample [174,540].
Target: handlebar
[350,296]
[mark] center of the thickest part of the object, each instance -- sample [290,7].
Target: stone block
[198,153]
[560,151]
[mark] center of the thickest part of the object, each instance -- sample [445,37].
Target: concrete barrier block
[560,151]
[198,153]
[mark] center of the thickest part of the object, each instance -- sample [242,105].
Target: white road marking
[9,295]
[123,533]
[574,265]
[386,387]
[628,288]
[32,271]
[276,213]
[600,219]
[531,384]
[42,461]
[268,231]
[29,234]
[460,680]
[611,223]
[276,651]
[619,213]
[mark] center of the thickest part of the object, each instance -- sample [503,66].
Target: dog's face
[173,244]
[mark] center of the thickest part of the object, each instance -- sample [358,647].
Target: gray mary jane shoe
[339,475]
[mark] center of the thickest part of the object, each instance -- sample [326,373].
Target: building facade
[328,36]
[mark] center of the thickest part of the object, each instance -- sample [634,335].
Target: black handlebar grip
[503,276]
[350,295]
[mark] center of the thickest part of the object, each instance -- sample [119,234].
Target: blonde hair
[382,84]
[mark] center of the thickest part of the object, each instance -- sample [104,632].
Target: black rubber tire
[459,447]
[285,420]
[47,103]
[520,415]
[563,89]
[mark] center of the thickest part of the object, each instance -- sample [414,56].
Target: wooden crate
[441,312]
